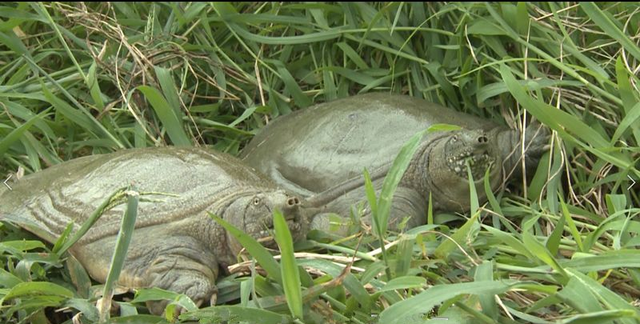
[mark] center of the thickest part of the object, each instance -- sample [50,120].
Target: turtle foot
[185,269]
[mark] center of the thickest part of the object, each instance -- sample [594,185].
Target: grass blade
[18,132]
[459,237]
[168,89]
[541,252]
[608,298]
[167,115]
[484,272]
[61,247]
[42,11]
[610,28]
[408,310]
[120,252]
[391,181]
[559,120]
[290,275]
[236,314]
[264,258]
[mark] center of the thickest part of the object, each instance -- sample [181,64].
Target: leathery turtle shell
[175,245]
[320,152]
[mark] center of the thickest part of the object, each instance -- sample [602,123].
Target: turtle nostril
[293,201]
[483,139]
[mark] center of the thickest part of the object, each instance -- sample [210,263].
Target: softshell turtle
[175,245]
[320,152]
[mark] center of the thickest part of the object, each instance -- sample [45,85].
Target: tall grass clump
[559,246]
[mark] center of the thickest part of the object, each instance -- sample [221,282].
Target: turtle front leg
[156,259]
[409,207]
[183,266]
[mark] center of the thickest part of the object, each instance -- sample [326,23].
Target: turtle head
[253,214]
[447,175]
[471,146]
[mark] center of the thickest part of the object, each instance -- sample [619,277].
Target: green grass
[81,79]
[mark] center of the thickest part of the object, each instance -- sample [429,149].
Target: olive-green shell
[71,191]
[314,149]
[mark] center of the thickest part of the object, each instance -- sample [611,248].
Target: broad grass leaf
[168,89]
[422,303]
[559,121]
[356,76]
[435,69]
[405,282]
[22,112]
[289,268]
[610,29]
[605,261]
[403,254]
[138,319]
[290,40]
[123,239]
[16,247]
[11,40]
[74,115]
[61,248]
[167,115]
[630,120]
[608,298]
[236,314]
[301,100]
[485,272]
[373,270]
[474,204]
[351,283]
[329,80]
[540,251]
[259,252]
[352,55]
[37,288]
[629,97]
[553,243]
[604,225]
[78,276]
[391,181]
[19,132]
[246,114]
[443,128]
[15,16]
[460,237]
[8,279]
[573,229]
[217,125]
[579,296]
[484,27]
[84,306]
[154,293]
[94,86]
[607,316]
[63,237]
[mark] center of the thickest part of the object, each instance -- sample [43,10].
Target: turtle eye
[454,138]
[256,201]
